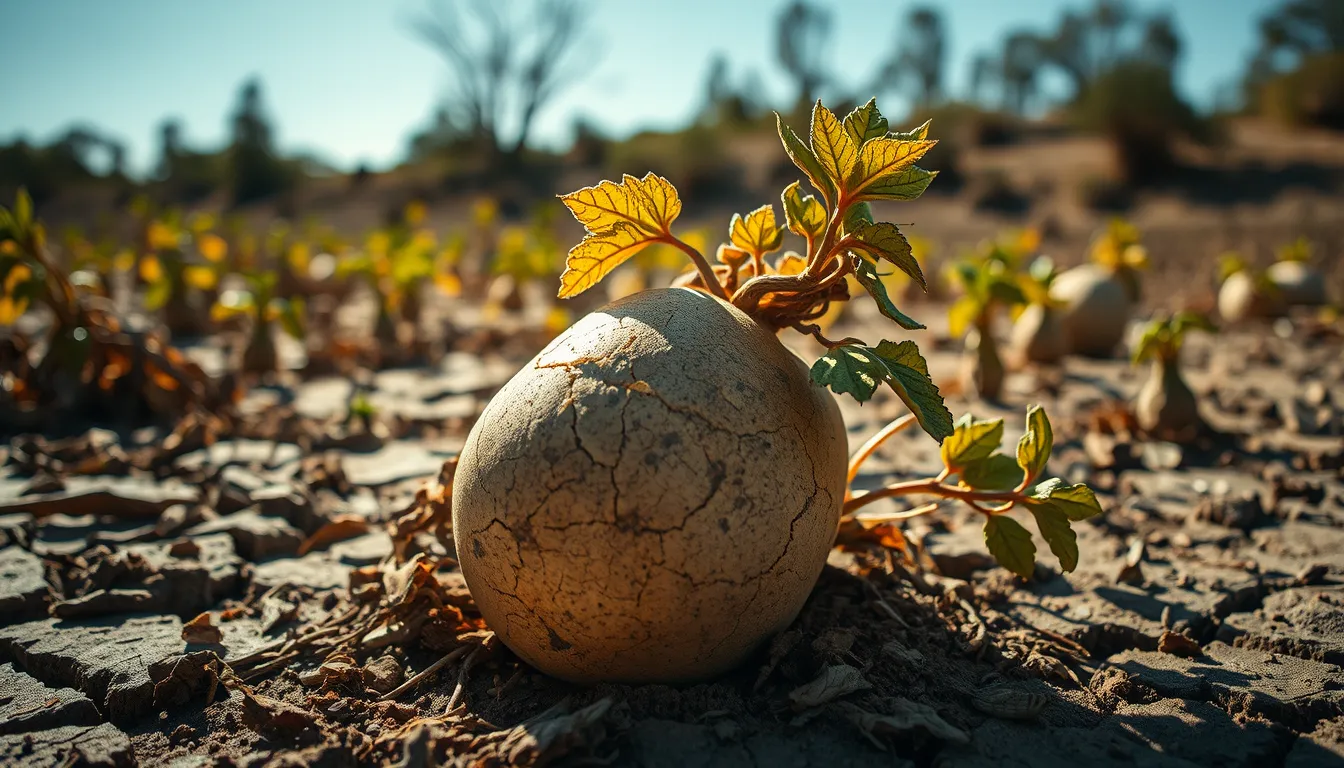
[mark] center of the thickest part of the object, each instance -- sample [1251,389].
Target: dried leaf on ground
[339,528]
[1178,645]
[1009,703]
[908,716]
[830,684]
[555,733]
[201,631]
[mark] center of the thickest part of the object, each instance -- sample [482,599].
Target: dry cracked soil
[285,595]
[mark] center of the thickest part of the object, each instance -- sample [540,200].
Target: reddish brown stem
[706,271]
[931,488]
[874,442]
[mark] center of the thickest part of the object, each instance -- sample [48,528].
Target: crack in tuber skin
[637,513]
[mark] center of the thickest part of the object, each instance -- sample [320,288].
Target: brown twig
[420,677]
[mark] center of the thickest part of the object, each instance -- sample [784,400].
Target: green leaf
[1077,502]
[905,185]
[23,211]
[911,381]
[857,217]
[1191,321]
[998,472]
[157,294]
[865,271]
[865,123]
[1010,544]
[1053,524]
[886,241]
[850,369]
[1005,292]
[971,441]
[804,216]
[1033,450]
[291,317]
[806,160]
[917,134]
[835,151]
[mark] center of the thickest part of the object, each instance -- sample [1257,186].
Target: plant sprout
[669,450]
[1166,406]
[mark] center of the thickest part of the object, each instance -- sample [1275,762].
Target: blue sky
[345,78]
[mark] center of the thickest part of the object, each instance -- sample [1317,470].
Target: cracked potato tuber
[652,496]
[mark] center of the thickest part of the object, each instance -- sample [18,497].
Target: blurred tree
[1297,73]
[803,32]
[918,62]
[723,104]
[506,69]
[253,170]
[1011,74]
[170,147]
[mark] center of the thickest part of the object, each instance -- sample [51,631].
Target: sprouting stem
[815,332]
[701,264]
[932,487]
[874,442]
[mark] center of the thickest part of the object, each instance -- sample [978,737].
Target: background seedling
[1098,298]
[1166,406]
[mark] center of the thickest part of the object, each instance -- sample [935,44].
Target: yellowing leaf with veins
[757,233]
[835,150]
[805,216]
[649,204]
[803,157]
[664,205]
[791,264]
[882,158]
[597,254]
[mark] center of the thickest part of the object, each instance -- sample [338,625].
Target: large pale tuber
[651,497]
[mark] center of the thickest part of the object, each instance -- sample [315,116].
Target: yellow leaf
[732,256]
[151,271]
[11,310]
[834,148]
[1028,240]
[124,261]
[212,247]
[17,274]
[414,213]
[484,212]
[557,320]
[650,204]
[757,233]
[1135,257]
[805,216]
[202,278]
[791,264]
[160,236]
[885,157]
[448,283]
[598,254]
[299,256]
[961,316]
